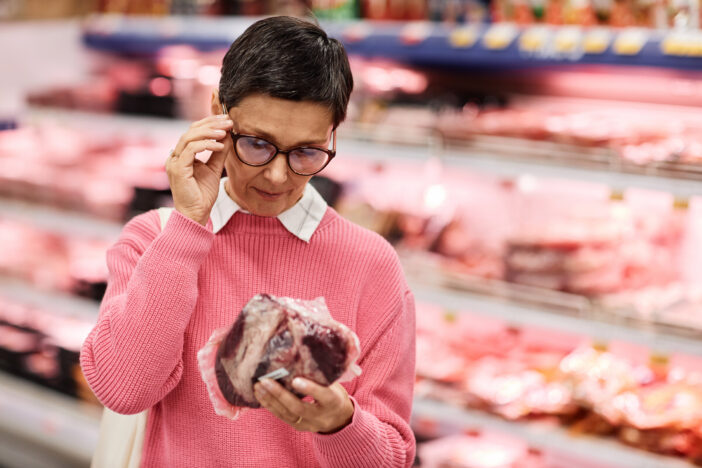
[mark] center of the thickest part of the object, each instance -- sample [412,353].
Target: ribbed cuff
[185,241]
[348,446]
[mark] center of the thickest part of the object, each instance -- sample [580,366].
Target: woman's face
[271,189]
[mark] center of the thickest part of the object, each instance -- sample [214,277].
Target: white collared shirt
[301,219]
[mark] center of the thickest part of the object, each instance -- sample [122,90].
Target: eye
[257,143]
[308,153]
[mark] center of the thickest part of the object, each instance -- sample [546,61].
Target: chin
[269,210]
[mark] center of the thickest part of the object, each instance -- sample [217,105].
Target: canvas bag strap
[121,439]
[164,213]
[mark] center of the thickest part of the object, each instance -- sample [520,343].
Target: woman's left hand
[331,410]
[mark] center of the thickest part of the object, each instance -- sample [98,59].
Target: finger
[287,399]
[186,158]
[185,137]
[206,128]
[209,119]
[218,158]
[325,396]
[274,405]
[209,132]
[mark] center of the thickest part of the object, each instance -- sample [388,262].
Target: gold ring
[299,420]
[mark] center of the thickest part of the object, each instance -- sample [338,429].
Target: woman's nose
[277,170]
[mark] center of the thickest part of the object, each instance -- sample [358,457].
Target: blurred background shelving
[438,417]
[538,166]
[424,43]
[42,428]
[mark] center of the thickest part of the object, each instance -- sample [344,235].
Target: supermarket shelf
[419,43]
[548,437]
[60,430]
[583,168]
[580,319]
[147,35]
[596,158]
[508,157]
[57,220]
[107,123]
[59,303]
[614,179]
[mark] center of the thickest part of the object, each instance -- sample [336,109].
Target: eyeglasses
[303,160]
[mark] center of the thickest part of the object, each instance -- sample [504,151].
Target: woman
[284,90]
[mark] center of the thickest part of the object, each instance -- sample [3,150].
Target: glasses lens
[254,150]
[308,160]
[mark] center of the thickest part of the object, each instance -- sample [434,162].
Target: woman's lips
[268,195]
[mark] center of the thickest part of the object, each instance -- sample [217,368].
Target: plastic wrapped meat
[661,405]
[513,390]
[597,377]
[279,338]
[662,417]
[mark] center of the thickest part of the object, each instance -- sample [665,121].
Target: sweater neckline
[244,222]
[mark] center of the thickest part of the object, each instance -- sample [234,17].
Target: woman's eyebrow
[267,136]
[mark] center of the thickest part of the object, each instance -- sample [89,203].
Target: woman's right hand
[195,184]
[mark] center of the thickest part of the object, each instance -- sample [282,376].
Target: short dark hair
[287,58]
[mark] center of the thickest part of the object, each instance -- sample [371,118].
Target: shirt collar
[301,220]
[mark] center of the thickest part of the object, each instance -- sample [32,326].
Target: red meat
[288,337]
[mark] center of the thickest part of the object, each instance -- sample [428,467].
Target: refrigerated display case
[502,220]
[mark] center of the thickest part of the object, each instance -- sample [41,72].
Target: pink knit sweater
[169,289]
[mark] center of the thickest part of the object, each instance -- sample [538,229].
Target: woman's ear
[216,106]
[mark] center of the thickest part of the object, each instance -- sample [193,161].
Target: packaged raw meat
[279,338]
[514,390]
[661,418]
[597,377]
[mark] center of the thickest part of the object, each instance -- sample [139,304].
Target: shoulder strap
[164,213]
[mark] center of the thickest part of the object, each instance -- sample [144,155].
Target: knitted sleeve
[379,433]
[133,356]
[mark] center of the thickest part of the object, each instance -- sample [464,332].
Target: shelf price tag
[597,41]
[568,40]
[599,345]
[683,44]
[500,36]
[415,33]
[534,39]
[463,37]
[630,42]
[450,316]
[616,195]
[681,203]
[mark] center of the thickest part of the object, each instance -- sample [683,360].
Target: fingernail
[220,132]
[267,384]
[259,389]
[299,384]
[222,116]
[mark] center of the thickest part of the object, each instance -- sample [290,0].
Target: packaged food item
[278,338]
[596,377]
[662,417]
[335,9]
